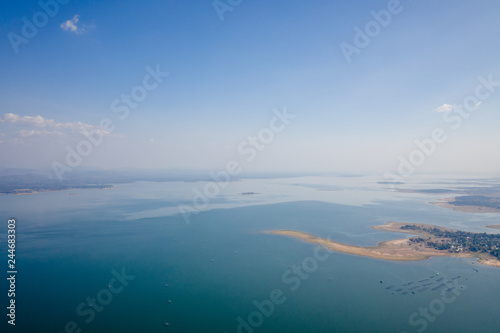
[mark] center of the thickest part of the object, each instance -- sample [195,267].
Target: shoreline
[33,192]
[394,250]
[446,203]
[496,226]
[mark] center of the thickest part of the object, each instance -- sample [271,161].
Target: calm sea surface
[222,270]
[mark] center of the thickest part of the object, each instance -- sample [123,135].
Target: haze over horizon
[193,86]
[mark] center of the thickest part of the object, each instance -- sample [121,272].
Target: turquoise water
[221,262]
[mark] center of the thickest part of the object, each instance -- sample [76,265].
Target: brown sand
[399,249]
[493,226]
[446,203]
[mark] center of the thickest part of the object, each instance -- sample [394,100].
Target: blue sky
[226,77]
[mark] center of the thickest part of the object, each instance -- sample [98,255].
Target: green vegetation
[457,241]
[477,200]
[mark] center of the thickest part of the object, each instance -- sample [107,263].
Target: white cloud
[444,108]
[45,126]
[25,133]
[73,26]
[448,107]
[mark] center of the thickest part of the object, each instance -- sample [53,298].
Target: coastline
[446,203]
[496,226]
[395,250]
[33,192]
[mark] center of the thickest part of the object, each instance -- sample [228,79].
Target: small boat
[170,301]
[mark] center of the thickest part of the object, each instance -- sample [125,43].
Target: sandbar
[447,203]
[396,250]
[497,226]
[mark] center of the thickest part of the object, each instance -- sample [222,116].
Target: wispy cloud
[73,25]
[38,125]
[25,132]
[448,107]
[444,108]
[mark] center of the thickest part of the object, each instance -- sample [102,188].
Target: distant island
[471,204]
[433,241]
[30,181]
[247,193]
[481,198]
[34,188]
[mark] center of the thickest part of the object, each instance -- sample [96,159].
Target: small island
[476,198]
[433,241]
[471,204]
